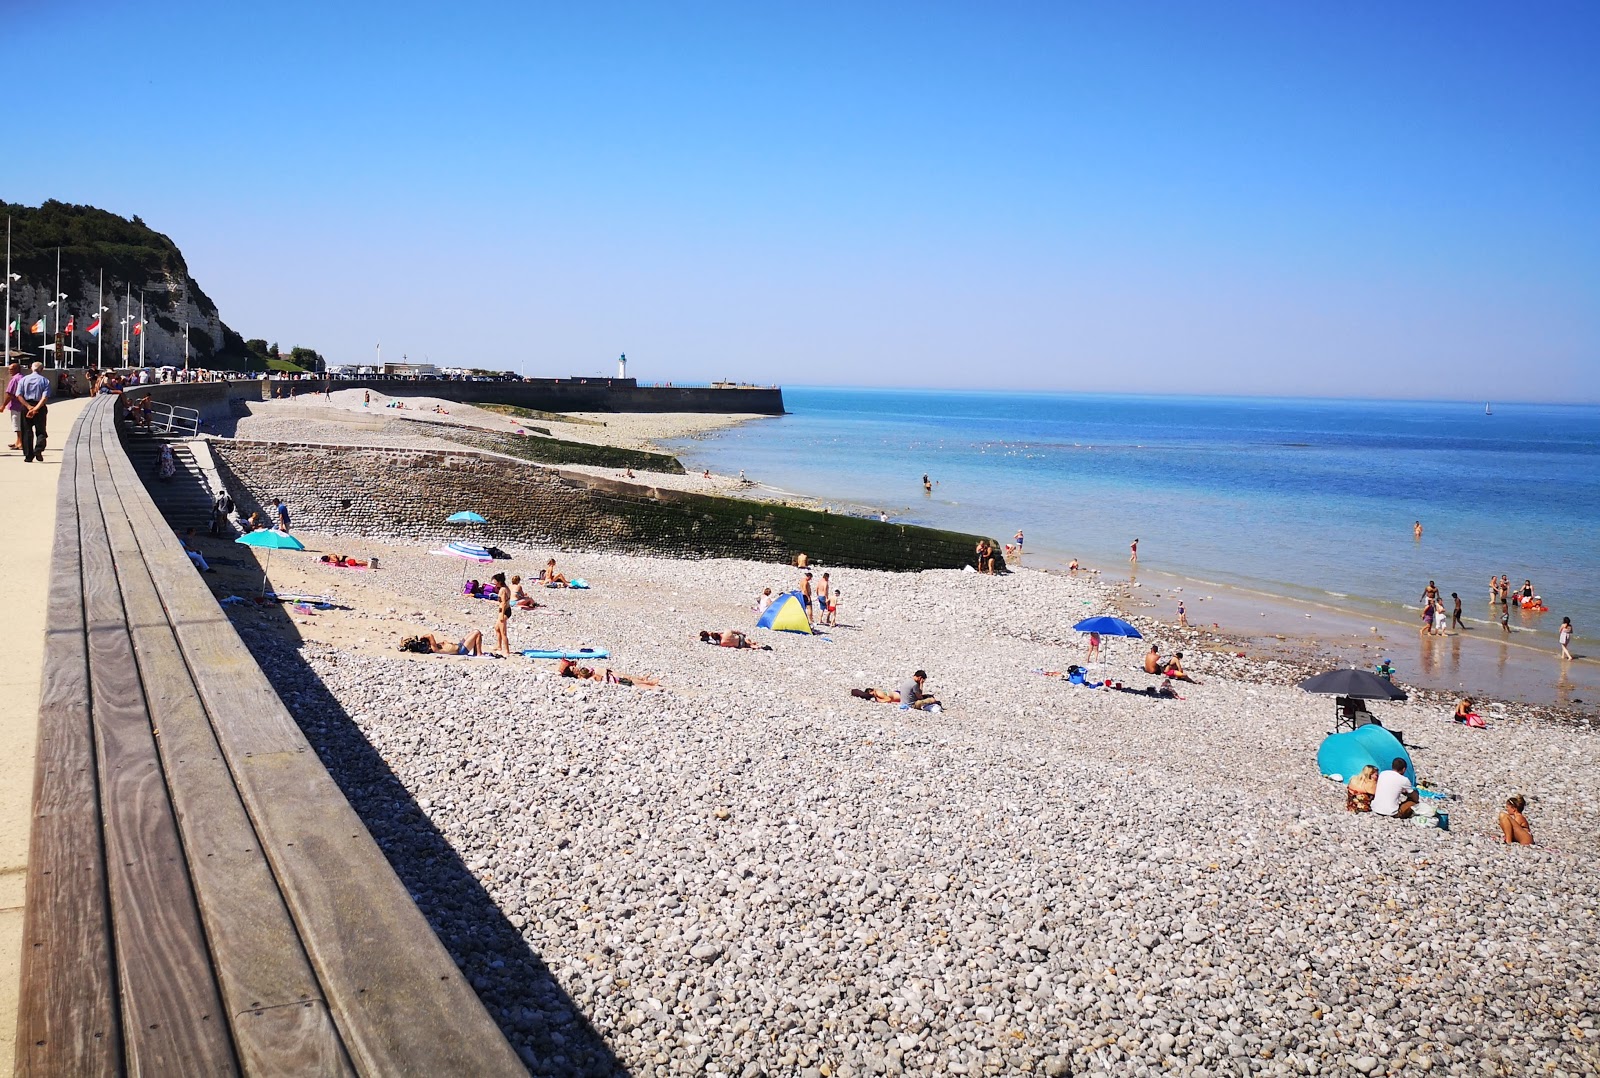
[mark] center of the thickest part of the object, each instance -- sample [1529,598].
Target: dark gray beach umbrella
[1356,684]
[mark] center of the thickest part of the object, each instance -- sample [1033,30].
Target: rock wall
[407,493]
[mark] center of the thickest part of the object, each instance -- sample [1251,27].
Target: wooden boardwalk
[201,897]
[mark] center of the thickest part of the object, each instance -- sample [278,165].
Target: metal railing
[171,419]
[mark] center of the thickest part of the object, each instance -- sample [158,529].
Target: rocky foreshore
[746,871]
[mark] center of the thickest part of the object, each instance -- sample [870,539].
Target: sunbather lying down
[427,644]
[343,561]
[877,695]
[568,668]
[733,638]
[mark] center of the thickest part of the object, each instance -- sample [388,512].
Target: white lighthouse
[622,365]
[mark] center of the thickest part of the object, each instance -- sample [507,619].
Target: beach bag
[1476,722]
[416,644]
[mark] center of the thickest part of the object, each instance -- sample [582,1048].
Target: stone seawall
[407,493]
[548,396]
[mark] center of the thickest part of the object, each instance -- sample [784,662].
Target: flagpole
[141,327]
[8,291]
[100,306]
[57,305]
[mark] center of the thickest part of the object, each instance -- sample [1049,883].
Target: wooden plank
[398,997]
[400,1003]
[276,1012]
[173,1020]
[67,1021]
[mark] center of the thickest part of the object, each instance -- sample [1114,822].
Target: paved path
[28,494]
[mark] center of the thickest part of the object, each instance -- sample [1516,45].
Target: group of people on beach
[1436,622]
[1391,793]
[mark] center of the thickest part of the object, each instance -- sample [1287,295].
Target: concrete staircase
[185,499]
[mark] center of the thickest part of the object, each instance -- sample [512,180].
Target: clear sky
[1286,198]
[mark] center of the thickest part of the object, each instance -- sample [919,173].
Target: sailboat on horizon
[1488,410]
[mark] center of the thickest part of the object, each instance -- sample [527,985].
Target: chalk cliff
[134,258]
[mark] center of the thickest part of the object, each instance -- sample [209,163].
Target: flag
[94,328]
[37,327]
[68,330]
[138,328]
[11,328]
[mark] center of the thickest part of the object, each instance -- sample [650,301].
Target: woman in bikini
[520,596]
[568,668]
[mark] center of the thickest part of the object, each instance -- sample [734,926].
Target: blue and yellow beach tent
[786,614]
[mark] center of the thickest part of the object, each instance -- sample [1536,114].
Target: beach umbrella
[1357,684]
[269,540]
[465,517]
[1349,685]
[1106,625]
[467,552]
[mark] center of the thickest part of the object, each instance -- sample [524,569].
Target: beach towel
[569,653]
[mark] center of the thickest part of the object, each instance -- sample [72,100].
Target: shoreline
[1513,673]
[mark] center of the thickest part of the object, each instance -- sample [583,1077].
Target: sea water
[1307,499]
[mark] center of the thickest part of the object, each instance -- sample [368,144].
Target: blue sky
[1232,197]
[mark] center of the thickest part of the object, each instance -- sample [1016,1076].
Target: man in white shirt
[1395,795]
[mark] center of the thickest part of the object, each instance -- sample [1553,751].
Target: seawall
[550,395]
[407,493]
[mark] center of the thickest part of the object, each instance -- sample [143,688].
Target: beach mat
[570,653]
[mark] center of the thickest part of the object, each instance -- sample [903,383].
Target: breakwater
[407,493]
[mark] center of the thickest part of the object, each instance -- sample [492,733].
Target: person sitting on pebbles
[1466,716]
[1513,824]
[912,696]
[1175,669]
[1394,794]
[428,643]
[520,596]
[569,668]
[733,638]
[1358,795]
[1152,661]
[550,578]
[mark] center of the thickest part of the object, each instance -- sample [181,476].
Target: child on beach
[1183,616]
[1565,637]
[833,609]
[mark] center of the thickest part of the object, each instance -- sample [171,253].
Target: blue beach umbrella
[1106,625]
[269,540]
[465,517]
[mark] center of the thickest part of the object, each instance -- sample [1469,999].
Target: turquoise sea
[1306,499]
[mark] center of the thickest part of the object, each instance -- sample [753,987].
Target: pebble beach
[746,871]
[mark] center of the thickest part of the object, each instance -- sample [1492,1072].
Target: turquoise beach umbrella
[465,517]
[269,540]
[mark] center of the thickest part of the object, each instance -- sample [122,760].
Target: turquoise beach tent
[1342,756]
[786,614]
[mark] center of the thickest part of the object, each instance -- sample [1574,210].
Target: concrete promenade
[28,494]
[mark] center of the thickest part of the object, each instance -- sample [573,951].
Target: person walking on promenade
[34,390]
[1565,637]
[12,404]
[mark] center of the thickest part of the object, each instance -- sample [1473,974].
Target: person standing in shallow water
[1565,637]
[1133,551]
[1455,615]
[1416,529]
